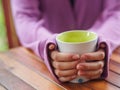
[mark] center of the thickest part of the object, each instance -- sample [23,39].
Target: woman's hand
[64,64]
[92,64]
[68,66]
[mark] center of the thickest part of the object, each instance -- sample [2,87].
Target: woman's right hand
[64,64]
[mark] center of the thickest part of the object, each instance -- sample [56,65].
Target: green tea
[77,36]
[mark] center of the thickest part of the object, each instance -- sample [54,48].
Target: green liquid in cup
[77,36]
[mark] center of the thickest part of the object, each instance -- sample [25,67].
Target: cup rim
[77,42]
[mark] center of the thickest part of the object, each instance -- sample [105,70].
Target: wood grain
[114,79]
[116,57]
[11,82]
[32,78]
[21,67]
[101,85]
[114,66]
[32,62]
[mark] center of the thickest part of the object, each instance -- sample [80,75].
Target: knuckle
[87,67]
[102,55]
[53,64]
[58,65]
[55,56]
[62,79]
[58,73]
[100,64]
[100,71]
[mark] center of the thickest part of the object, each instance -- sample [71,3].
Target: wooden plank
[21,61]
[101,85]
[115,57]
[12,82]
[114,66]
[29,60]
[114,79]
[117,50]
[29,76]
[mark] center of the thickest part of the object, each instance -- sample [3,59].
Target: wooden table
[20,69]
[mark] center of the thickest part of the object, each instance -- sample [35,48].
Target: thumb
[51,47]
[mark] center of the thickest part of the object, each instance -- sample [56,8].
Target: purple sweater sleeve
[108,28]
[31,30]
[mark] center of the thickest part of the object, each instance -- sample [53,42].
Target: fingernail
[76,56]
[52,47]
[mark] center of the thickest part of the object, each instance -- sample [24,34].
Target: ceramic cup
[78,42]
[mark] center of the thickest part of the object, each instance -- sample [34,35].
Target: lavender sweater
[39,21]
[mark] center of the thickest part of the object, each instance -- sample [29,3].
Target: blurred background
[3,35]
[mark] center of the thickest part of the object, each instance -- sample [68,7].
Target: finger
[91,65]
[64,65]
[94,77]
[68,78]
[65,73]
[90,74]
[51,47]
[98,55]
[57,56]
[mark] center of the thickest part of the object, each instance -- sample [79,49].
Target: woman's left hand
[92,64]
